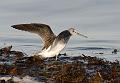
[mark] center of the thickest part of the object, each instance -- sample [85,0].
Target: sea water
[92,46]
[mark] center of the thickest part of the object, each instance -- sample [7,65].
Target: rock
[2,81]
[97,78]
[115,51]
[5,51]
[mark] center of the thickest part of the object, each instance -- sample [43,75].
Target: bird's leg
[48,58]
[56,57]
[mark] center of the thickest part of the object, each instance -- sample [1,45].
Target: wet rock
[78,69]
[97,78]
[17,54]
[34,60]
[5,51]
[115,51]
[2,81]
[70,73]
[11,81]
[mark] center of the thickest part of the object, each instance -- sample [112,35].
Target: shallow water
[102,47]
[98,19]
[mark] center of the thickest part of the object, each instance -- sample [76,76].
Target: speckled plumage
[52,44]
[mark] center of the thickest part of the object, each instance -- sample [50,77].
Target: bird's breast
[52,51]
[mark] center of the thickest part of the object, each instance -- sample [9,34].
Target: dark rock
[115,51]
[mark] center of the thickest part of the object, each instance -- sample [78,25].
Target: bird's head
[75,32]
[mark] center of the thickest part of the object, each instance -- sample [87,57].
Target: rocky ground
[78,69]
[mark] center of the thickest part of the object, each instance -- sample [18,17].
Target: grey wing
[43,30]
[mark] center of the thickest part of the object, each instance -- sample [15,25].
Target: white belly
[51,52]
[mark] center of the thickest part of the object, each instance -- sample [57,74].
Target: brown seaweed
[79,69]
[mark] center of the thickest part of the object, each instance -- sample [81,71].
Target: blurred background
[89,16]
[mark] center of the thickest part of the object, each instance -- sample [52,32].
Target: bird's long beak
[82,35]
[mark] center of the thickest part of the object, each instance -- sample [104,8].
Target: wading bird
[53,44]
